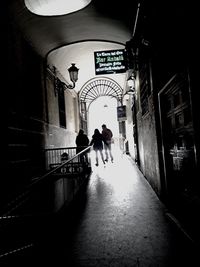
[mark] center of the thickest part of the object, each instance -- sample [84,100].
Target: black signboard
[121,113]
[110,62]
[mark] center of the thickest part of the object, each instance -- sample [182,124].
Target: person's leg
[106,151]
[81,158]
[96,157]
[110,152]
[102,157]
[86,158]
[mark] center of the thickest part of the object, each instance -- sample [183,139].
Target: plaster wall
[57,136]
[129,128]
[148,148]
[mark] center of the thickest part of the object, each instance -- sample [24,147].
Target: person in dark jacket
[97,142]
[107,136]
[82,141]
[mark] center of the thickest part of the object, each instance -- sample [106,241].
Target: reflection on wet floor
[119,221]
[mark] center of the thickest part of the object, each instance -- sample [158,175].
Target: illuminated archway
[97,87]
[105,88]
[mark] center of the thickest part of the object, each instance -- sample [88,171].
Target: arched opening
[103,111]
[99,99]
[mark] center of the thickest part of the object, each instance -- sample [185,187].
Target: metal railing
[56,156]
[56,164]
[31,204]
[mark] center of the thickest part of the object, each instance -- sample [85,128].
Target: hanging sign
[110,62]
[121,113]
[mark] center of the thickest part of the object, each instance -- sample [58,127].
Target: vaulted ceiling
[74,35]
[69,31]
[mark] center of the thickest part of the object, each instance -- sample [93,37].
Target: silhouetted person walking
[97,142]
[82,142]
[107,138]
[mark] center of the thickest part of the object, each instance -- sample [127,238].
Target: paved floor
[118,221]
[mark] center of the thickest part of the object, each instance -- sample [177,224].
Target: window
[61,106]
[145,89]
[75,114]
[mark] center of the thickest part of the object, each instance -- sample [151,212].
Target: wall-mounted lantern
[59,84]
[131,85]
[73,74]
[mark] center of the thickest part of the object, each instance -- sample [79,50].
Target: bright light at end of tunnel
[55,7]
[103,111]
